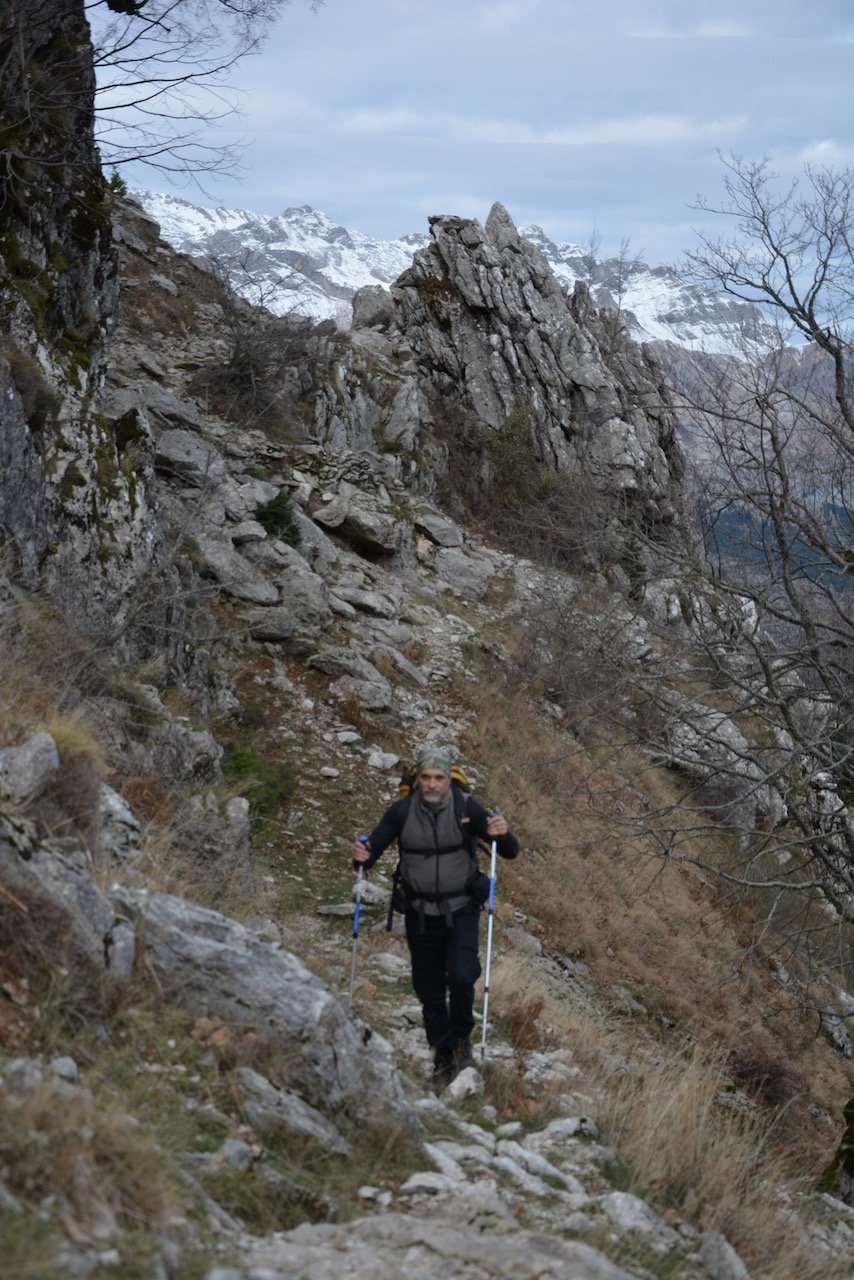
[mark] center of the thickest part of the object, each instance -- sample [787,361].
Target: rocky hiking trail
[515,1198]
[495,1197]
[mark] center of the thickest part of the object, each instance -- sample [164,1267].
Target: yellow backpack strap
[407,783]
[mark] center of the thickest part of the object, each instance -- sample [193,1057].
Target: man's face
[434,786]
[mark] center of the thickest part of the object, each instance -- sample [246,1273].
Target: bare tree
[625,265]
[716,688]
[773,606]
[160,72]
[590,256]
[163,72]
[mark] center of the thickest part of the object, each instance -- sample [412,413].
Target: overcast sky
[605,113]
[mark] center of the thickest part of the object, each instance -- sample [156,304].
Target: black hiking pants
[445,967]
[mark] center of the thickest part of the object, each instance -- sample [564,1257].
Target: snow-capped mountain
[297,261]
[301,261]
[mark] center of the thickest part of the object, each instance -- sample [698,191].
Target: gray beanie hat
[434,758]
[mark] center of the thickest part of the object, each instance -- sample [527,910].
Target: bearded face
[433,787]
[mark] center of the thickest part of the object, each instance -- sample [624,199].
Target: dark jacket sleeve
[384,833]
[508,846]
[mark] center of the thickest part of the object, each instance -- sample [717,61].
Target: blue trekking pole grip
[357,916]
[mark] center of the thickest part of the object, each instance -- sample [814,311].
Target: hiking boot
[443,1072]
[463,1056]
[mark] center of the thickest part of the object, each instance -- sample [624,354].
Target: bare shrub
[523,1027]
[496,478]
[70,802]
[762,1074]
[148,800]
[39,401]
[256,385]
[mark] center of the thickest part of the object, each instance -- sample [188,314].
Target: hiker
[441,892]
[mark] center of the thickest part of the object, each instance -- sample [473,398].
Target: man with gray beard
[441,893]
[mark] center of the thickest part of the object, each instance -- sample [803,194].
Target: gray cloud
[571,114]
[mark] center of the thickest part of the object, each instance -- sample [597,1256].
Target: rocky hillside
[249,564]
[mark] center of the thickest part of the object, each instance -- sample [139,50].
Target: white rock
[467,1084]
[720,1259]
[630,1213]
[382,760]
[427,1183]
[445,1162]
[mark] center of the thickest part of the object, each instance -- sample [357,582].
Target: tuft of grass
[268,784]
[685,1149]
[29,1248]
[524,1029]
[73,732]
[65,1146]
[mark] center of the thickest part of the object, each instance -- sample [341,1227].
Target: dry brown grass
[88,1155]
[39,691]
[717,1164]
[671,952]
[687,1140]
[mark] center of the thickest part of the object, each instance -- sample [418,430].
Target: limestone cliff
[73,484]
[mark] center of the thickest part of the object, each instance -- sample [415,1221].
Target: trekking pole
[357,915]
[493,859]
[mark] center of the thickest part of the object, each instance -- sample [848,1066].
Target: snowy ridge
[301,261]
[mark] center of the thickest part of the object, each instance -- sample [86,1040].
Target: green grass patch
[29,1247]
[269,785]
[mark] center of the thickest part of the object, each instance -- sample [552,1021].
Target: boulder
[233,572]
[58,892]
[303,614]
[118,827]
[373,308]
[438,528]
[357,518]
[26,770]
[469,575]
[214,967]
[275,1112]
[371,695]
[341,660]
[316,547]
[184,456]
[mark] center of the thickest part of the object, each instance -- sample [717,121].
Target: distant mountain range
[301,261]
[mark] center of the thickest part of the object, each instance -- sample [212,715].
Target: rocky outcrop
[214,967]
[493,333]
[60,280]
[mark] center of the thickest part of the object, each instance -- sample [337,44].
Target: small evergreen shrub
[278,520]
